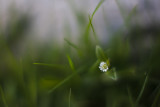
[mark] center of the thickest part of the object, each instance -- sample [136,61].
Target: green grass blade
[95,35]
[61,83]
[120,9]
[71,44]
[65,80]
[130,15]
[97,7]
[100,53]
[71,63]
[52,65]
[70,91]
[74,46]
[142,90]
[115,75]
[90,20]
[94,66]
[130,97]
[156,99]
[112,74]
[3,97]
[43,64]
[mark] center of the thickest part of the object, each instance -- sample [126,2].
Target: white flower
[103,67]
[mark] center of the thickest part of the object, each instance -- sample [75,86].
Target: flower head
[103,67]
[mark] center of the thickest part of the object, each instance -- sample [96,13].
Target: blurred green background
[66,74]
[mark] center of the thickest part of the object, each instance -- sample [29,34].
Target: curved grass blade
[95,35]
[100,53]
[71,63]
[142,90]
[89,24]
[71,44]
[94,66]
[156,98]
[65,80]
[3,97]
[74,46]
[130,97]
[130,15]
[97,7]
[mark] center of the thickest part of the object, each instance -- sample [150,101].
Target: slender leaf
[142,90]
[95,35]
[71,44]
[65,80]
[130,15]
[112,74]
[71,63]
[52,65]
[90,20]
[70,91]
[100,53]
[94,66]
[3,97]
[97,7]
[130,97]
[156,98]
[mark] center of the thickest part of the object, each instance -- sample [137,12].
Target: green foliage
[86,35]
[100,54]
[42,76]
[70,63]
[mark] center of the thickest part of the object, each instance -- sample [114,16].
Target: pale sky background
[50,16]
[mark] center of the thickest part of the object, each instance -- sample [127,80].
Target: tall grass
[45,73]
